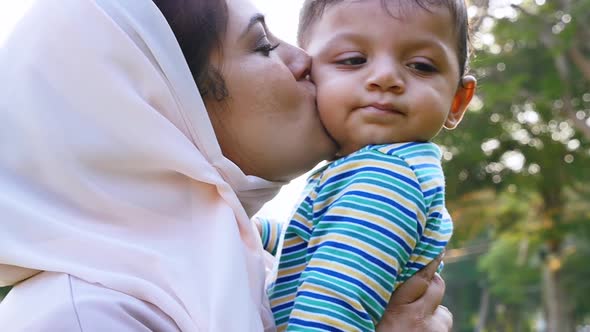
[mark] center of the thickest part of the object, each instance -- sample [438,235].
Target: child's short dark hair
[313,10]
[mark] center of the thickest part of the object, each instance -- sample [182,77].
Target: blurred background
[518,167]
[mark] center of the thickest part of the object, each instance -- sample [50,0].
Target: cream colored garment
[110,170]
[58,302]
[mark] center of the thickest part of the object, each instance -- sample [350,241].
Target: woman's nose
[386,76]
[298,62]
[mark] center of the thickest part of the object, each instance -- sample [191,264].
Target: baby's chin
[347,149]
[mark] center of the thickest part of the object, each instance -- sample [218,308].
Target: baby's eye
[353,61]
[423,67]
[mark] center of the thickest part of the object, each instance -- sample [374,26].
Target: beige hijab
[110,170]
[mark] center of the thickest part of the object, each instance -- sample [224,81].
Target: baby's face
[382,79]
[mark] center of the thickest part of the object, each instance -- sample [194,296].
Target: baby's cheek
[331,93]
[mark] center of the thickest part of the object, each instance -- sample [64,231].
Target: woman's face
[268,125]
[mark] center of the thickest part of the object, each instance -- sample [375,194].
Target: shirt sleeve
[271,233]
[363,236]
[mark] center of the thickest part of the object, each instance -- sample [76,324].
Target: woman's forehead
[241,13]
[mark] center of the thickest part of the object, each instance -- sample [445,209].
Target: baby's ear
[463,96]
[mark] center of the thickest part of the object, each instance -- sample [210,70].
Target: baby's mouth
[385,109]
[388,108]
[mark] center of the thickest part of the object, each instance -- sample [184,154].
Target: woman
[125,202]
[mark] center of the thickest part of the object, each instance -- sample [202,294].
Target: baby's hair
[313,10]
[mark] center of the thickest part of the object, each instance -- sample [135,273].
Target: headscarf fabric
[110,169]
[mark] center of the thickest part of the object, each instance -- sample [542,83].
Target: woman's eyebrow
[255,19]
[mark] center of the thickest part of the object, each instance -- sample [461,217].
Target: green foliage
[511,270]
[463,291]
[576,275]
[517,167]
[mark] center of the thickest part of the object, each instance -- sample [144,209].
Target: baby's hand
[270,232]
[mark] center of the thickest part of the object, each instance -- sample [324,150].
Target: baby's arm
[360,243]
[270,233]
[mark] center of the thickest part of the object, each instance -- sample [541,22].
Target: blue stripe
[395,175]
[402,147]
[294,248]
[321,326]
[288,278]
[435,215]
[369,169]
[351,280]
[421,154]
[384,199]
[445,230]
[422,166]
[337,178]
[360,252]
[415,265]
[282,306]
[433,191]
[334,300]
[434,242]
[404,210]
[372,226]
[266,232]
[296,224]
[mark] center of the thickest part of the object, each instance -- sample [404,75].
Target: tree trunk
[580,61]
[484,305]
[556,304]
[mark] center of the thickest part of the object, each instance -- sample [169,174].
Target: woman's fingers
[442,320]
[434,294]
[419,316]
[415,305]
[415,287]
[429,270]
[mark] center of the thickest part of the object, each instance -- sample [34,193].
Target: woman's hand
[415,305]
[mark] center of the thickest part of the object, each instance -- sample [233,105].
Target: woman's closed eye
[264,46]
[423,67]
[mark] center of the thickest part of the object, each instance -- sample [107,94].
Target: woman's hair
[199,27]
[313,10]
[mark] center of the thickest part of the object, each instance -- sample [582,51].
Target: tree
[528,135]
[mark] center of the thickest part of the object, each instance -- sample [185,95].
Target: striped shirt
[367,222]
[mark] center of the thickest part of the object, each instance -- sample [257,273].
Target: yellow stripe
[376,220]
[316,289]
[388,259]
[292,242]
[277,301]
[331,321]
[351,272]
[290,271]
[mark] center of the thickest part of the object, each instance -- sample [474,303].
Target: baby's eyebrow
[344,36]
[440,48]
[350,37]
[427,43]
